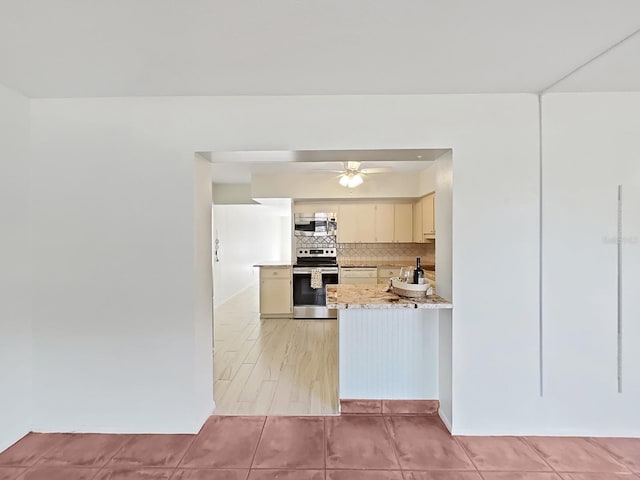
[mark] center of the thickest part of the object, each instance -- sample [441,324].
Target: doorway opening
[268,360]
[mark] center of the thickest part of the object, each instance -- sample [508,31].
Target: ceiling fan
[352,175]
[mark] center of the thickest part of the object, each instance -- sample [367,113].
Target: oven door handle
[307,271]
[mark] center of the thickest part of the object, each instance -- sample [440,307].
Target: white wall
[232,194]
[203,285]
[591,145]
[248,235]
[441,174]
[113,222]
[427,179]
[326,186]
[117,337]
[305,186]
[286,232]
[115,322]
[15,310]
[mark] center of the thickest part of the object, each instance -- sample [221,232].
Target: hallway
[348,447]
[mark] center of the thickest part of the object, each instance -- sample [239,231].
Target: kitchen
[359,235]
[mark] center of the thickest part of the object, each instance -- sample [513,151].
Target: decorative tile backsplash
[394,252]
[362,253]
[316,242]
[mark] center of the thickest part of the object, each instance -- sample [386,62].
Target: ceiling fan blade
[376,170]
[325,171]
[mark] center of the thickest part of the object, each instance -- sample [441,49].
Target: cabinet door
[275,296]
[403,222]
[428,216]
[417,221]
[356,223]
[384,223]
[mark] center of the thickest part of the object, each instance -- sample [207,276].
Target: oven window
[303,294]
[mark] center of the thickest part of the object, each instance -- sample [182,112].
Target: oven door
[312,302]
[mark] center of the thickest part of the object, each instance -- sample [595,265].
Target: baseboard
[187,424]
[9,438]
[388,407]
[235,294]
[445,420]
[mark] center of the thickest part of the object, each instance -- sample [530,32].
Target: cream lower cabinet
[359,275]
[275,292]
[385,273]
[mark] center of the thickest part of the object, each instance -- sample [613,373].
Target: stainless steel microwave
[319,224]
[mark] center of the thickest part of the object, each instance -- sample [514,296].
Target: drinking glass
[406,274]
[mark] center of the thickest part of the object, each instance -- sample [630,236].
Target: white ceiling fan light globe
[344,180]
[355,180]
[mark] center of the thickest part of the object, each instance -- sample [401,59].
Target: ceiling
[80,48]
[238,167]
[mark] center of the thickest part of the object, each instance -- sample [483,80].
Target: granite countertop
[269,263]
[346,296]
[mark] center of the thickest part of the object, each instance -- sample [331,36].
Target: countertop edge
[387,306]
[345,297]
[274,264]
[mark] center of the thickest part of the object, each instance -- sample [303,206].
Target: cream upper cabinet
[424,220]
[384,223]
[428,216]
[402,222]
[356,223]
[417,222]
[376,223]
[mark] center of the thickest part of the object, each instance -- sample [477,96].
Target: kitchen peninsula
[345,297]
[388,345]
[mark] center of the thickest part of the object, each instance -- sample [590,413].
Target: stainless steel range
[316,268]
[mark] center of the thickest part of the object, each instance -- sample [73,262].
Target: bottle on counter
[418,273]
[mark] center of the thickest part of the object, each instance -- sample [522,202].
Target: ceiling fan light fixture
[350,179]
[355,180]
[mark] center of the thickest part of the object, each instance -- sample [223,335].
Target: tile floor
[349,447]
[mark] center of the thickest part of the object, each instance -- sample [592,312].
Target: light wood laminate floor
[272,366]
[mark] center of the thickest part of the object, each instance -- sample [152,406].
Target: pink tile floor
[349,447]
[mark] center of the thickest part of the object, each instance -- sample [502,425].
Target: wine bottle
[418,273]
